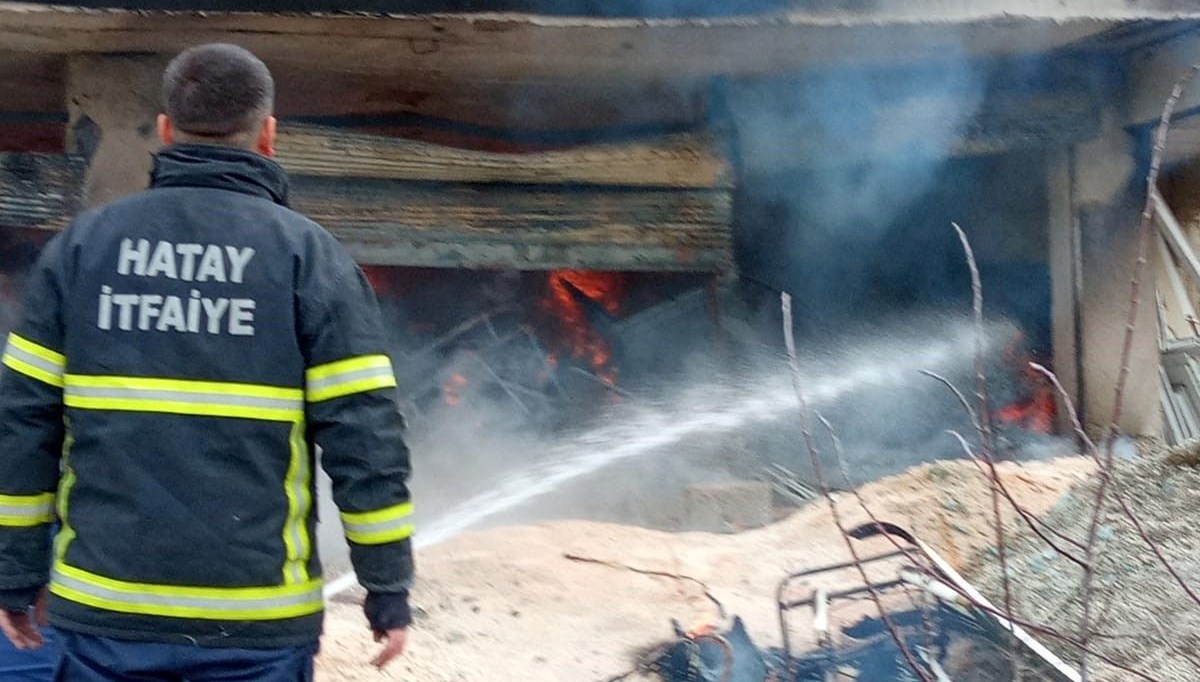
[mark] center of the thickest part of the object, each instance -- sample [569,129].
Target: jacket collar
[200,165]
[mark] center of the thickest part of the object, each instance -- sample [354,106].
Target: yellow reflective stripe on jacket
[296,542]
[24,511]
[379,526]
[34,360]
[349,376]
[180,396]
[173,601]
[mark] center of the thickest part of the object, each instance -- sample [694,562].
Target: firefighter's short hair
[217,91]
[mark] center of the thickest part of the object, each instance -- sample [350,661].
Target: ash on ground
[1143,618]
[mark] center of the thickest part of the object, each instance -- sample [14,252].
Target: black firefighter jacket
[182,354]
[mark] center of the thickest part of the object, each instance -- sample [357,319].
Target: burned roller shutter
[659,205]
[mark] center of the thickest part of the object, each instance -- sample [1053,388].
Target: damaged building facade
[585,162]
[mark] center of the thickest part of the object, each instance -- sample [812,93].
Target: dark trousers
[29,666]
[99,659]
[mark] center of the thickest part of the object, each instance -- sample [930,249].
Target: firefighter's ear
[166,130]
[266,137]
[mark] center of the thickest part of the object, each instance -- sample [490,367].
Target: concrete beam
[1066,279]
[530,48]
[874,11]
[112,102]
[1153,73]
[1107,197]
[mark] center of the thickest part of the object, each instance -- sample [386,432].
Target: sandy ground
[507,604]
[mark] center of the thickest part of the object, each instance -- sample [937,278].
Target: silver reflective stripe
[29,358]
[317,385]
[169,601]
[190,397]
[378,527]
[22,514]
[38,511]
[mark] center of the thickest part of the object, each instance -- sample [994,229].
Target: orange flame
[452,389]
[583,343]
[1035,412]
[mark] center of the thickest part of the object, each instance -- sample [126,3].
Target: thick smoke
[847,183]
[632,460]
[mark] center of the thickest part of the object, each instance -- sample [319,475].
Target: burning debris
[936,622]
[571,294]
[549,346]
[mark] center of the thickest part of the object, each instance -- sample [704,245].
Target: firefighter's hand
[393,645]
[21,627]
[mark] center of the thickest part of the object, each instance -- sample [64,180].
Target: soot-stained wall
[807,232]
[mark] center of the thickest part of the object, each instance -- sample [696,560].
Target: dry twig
[661,574]
[840,457]
[1035,525]
[1021,511]
[794,364]
[984,426]
[1145,234]
[1117,493]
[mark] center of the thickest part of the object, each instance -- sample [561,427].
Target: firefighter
[182,354]
[16,665]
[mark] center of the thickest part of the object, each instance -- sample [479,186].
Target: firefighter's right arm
[354,418]
[31,434]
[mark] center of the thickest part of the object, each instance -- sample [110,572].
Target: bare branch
[962,399]
[984,425]
[1069,404]
[1117,493]
[1024,513]
[661,574]
[839,455]
[1145,233]
[999,483]
[810,443]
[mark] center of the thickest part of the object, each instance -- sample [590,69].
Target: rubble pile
[1145,621]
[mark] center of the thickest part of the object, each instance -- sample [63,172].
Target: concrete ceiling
[505,48]
[537,72]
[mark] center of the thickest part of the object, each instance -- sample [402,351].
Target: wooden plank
[453,225]
[545,227]
[560,106]
[368,249]
[1177,309]
[39,190]
[681,161]
[1173,233]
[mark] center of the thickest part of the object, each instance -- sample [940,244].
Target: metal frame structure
[953,604]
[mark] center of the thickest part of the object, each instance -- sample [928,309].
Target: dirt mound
[509,605]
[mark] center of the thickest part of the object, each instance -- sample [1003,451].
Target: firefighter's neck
[261,140]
